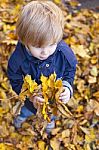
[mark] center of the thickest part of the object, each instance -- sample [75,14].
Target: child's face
[42,53]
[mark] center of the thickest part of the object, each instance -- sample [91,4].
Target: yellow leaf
[50,83]
[2,146]
[28,87]
[55,144]
[22,95]
[96,94]
[4,85]
[80,50]
[44,109]
[3,111]
[87,147]
[81,86]
[32,84]
[73,3]
[94,59]
[57,1]
[55,131]
[47,147]
[57,94]
[90,137]
[65,133]
[54,111]
[85,130]
[95,106]
[52,77]
[94,71]
[14,135]
[41,145]
[58,84]
[2,94]
[43,79]
[49,93]
[80,108]
[92,79]
[65,108]
[63,111]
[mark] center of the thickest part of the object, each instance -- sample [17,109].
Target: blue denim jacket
[21,63]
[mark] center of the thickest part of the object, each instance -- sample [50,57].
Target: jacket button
[47,65]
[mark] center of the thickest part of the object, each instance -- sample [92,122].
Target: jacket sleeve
[70,63]
[69,75]
[15,75]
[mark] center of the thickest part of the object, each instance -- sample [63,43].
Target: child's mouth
[43,58]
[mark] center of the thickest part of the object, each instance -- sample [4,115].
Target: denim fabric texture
[25,113]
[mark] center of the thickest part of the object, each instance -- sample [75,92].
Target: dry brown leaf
[55,144]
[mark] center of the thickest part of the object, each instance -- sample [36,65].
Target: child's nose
[44,52]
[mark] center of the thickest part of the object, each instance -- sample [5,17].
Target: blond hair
[40,23]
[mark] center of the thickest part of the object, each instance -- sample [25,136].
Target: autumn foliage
[77,123]
[50,89]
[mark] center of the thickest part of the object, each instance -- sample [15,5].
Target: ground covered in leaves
[77,132]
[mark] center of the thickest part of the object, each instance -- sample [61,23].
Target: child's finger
[65,101]
[39,94]
[39,99]
[64,93]
[63,97]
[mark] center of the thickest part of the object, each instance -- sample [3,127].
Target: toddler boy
[41,50]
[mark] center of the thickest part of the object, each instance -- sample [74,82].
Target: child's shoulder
[17,57]
[67,52]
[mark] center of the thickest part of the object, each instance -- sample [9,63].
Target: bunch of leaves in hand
[29,88]
[50,88]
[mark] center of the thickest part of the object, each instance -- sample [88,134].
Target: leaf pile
[79,132]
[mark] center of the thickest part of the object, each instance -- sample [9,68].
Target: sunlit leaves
[41,145]
[55,144]
[28,87]
[82,34]
[50,88]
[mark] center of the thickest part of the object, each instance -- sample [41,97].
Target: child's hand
[35,99]
[38,99]
[65,95]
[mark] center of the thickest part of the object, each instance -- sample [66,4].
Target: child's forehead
[49,45]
